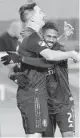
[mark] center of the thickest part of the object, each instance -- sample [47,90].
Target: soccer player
[60,100]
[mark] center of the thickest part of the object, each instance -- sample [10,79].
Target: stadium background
[58,11]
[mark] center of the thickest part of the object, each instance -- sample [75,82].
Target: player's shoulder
[34,36]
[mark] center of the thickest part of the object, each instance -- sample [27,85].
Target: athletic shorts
[65,120]
[32,102]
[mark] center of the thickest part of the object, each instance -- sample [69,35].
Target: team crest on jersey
[41,43]
[44,122]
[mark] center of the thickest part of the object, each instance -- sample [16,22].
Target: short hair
[49,25]
[23,8]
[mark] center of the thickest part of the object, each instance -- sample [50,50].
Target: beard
[50,44]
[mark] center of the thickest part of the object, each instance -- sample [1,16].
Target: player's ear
[32,16]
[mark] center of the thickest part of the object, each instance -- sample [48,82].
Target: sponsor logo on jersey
[44,122]
[42,43]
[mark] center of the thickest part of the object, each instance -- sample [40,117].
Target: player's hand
[18,77]
[68,29]
[11,57]
[14,72]
[6,59]
[75,56]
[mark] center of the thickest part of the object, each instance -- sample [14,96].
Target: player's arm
[53,55]
[11,57]
[33,44]
[59,55]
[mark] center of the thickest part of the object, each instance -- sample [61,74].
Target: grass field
[10,119]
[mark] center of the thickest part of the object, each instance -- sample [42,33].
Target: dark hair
[50,25]
[28,7]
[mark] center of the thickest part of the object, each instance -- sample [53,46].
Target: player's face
[25,15]
[39,16]
[50,36]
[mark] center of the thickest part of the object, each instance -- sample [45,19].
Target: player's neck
[34,26]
